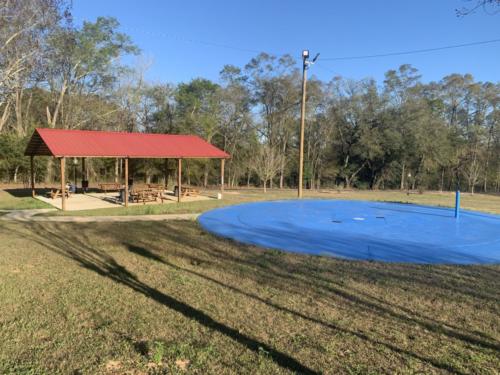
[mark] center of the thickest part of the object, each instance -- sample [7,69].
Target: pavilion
[62,144]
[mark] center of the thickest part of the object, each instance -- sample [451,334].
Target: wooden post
[63,184]
[302,123]
[84,175]
[32,180]
[222,177]
[179,180]
[126,183]
[84,169]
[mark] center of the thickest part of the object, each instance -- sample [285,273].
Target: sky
[182,40]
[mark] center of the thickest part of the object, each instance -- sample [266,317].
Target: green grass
[481,202]
[19,199]
[144,297]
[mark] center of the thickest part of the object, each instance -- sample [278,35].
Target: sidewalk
[32,215]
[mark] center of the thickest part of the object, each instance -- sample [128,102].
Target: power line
[188,40]
[410,52]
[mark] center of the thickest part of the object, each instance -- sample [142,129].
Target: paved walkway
[32,215]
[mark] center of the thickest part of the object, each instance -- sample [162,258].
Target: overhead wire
[411,52]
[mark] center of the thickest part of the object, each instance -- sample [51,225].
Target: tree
[199,107]
[266,163]
[274,84]
[83,63]
[489,6]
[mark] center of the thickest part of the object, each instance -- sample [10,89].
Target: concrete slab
[90,201]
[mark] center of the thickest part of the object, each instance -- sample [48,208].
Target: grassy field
[480,202]
[166,297]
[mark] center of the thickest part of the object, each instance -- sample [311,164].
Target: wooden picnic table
[186,191]
[145,195]
[110,186]
[56,193]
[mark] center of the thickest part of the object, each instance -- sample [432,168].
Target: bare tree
[267,163]
[489,6]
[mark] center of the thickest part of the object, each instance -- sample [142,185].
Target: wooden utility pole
[63,184]
[305,65]
[305,57]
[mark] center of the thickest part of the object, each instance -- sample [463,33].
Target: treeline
[397,134]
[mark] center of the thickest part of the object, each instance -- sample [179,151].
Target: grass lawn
[481,202]
[165,297]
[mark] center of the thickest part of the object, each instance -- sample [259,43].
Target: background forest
[397,134]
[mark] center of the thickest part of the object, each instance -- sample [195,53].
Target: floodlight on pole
[305,65]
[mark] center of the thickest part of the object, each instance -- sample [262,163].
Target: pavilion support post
[222,162]
[63,184]
[84,169]
[84,176]
[125,198]
[32,175]
[179,180]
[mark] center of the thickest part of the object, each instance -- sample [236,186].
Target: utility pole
[305,65]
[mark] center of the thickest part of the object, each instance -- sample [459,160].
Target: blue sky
[172,35]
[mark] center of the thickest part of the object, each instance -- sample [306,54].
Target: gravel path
[32,215]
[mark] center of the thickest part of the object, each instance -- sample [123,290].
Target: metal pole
[302,123]
[457,204]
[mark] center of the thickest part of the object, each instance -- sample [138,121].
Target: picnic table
[56,193]
[186,191]
[110,186]
[145,195]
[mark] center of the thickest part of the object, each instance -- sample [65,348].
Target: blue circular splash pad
[390,232]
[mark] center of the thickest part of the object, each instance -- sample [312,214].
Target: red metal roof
[89,143]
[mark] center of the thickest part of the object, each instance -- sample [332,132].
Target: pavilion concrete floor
[91,201]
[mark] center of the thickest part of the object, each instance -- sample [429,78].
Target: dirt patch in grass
[167,297]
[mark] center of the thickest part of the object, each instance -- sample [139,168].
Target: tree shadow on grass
[329,325]
[103,264]
[266,268]
[272,270]
[18,192]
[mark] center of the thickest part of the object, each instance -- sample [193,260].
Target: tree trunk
[402,181]
[52,119]
[5,115]
[442,181]
[265,188]
[205,176]
[16,170]
[49,174]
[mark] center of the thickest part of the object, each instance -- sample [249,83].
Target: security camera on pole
[305,66]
